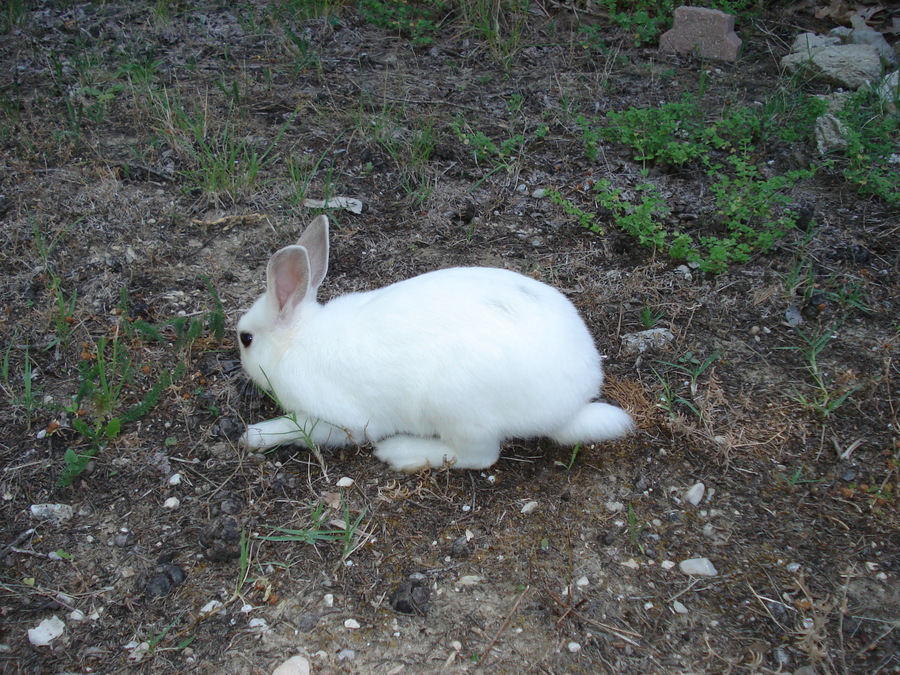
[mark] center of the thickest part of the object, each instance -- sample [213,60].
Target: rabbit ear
[315,240]
[287,279]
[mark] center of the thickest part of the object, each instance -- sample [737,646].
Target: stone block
[707,33]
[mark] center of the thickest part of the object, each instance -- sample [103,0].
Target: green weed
[64,316]
[873,137]
[650,317]
[222,162]
[673,396]
[501,23]
[319,529]
[28,398]
[568,465]
[418,22]
[824,395]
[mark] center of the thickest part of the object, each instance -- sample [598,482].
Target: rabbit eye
[246,339]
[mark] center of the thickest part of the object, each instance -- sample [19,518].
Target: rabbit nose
[246,339]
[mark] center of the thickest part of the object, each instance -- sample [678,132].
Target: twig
[503,626]
[18,540]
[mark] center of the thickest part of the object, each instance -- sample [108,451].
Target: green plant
[873,138]
[104,379]
[641,219]
[501,23]
[754,210]
[691,367]
[319,529]
[14,15]
[650,317]
[222,162]
[28,399]
[64,316]
[796,478]
[586,219]
[634,529]
[671,133]
[670,398]
[568,465]
[826,393]
[419,22]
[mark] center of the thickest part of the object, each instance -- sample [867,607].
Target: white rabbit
[438,368]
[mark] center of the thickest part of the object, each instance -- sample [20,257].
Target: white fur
[440,367]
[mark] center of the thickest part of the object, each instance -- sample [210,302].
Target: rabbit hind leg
[412,453]
[594,422]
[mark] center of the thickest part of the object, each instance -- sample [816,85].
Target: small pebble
[258,624]
[540,193]
[346,655]
[698,567]
[529,507]
[296,665]
[694,494]
[573,647]
[679,608]
[470,580]
[172,503]
[345,482]
[351,623]
[46,631]
[175,479]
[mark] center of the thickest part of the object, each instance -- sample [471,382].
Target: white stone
[614,507]
[258,624]
[642,341]
[175,479]
[211,606]
[139,651]
[679,608]
[55,513]
[46,631]
[345,482]
[351,623]
[694,494]
[848,66]
[470,580]
[529,507]
[698,567]
[573,647]
[296,665]
[667,564]
[631,563]
[172,503]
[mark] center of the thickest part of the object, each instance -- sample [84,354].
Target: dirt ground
[121,254]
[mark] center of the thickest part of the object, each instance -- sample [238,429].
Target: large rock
[848,66]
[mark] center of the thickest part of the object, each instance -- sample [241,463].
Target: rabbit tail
[594,422]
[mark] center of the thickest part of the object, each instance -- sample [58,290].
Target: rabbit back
[477,351]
